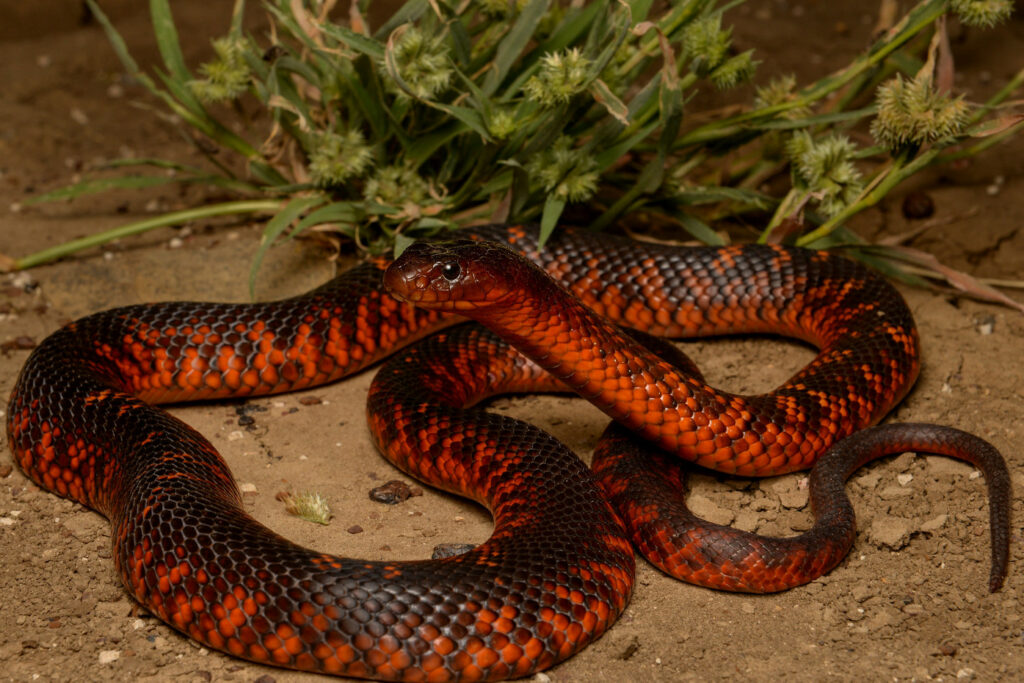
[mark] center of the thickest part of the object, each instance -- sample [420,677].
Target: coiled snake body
[559,567]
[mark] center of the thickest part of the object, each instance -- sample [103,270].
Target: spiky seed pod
[982,13]
[912,113]
[307,505]
[501,123]
[226,77]
[422,64]
[561,75]
[705,44]
[734,71]
[338,157]
[396,185]
[825,167]
[570,174]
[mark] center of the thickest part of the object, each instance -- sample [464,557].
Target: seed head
[913,113]
[705,44]
[561,75]
[734,71]
[982,13]
[825,168]
[227,76]
[307,505]
[570,174]
[396,185]
[339,157]
[421,63]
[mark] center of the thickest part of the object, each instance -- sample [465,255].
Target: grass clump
[459,113]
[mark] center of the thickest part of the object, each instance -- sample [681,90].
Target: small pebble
[310,400]
[108,656]
[393,492]
[996,186]
[22,343]
[918,205]
[355,529]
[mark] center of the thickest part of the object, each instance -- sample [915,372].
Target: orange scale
[235,647]
[503,625]
[461,660]
[431,661]
[705,448]
[294,645]
[401,661]
[442,675]
[226,628]
[511,653]
[273,643]
[331,665]
[214,638]
[443,645]
[486,658]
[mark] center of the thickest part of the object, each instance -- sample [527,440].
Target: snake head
[461,275]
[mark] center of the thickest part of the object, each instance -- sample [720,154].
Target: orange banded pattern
[557,571]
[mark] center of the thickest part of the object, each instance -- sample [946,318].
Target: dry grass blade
[958,279]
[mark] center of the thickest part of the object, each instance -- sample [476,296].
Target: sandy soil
[908,603]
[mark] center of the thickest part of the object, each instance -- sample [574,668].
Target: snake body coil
[558,569]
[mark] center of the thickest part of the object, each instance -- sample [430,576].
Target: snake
[559,568]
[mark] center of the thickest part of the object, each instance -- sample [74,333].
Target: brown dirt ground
[908,603]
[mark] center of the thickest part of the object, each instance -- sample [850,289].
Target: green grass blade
[713,194]
[356,41]
[121,49]
[361,82]
[277,225]
[135,182]
[612,154]
[335,212]
[700,230]
[553,207]
[163,220]
[167,39]
[410,11]
[514,42]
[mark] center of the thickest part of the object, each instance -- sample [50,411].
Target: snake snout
[426,275]
[459,275]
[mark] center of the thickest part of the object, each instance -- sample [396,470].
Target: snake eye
[450,271]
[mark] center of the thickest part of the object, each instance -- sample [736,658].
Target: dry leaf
[958,279]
